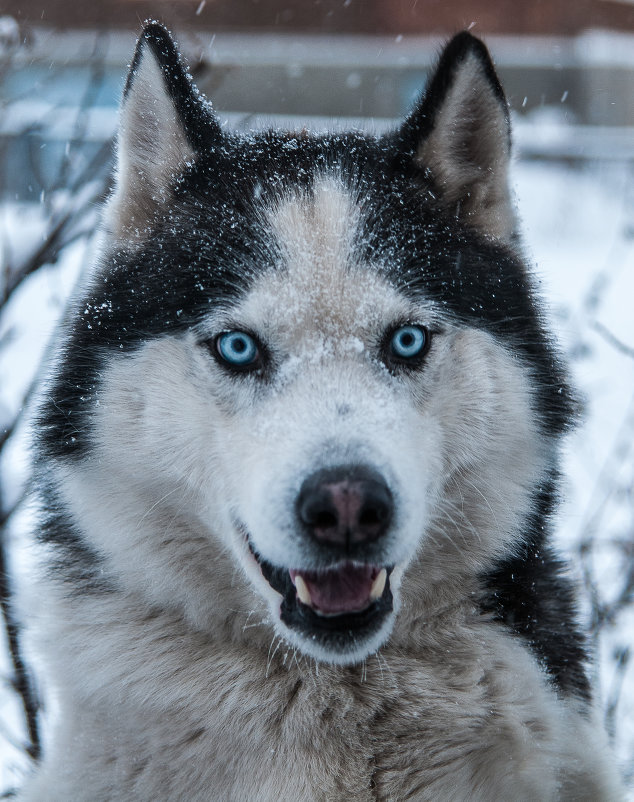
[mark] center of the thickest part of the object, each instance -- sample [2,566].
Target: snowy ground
[579,227]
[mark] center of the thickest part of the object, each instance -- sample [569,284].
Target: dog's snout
[345,506]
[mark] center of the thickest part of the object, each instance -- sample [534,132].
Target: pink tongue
[345,589]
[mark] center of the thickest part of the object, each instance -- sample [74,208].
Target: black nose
[344,506]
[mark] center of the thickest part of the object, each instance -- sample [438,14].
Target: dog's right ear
[164,123]
[459,134]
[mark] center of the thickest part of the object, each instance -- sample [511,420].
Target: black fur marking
[202,253]
[74,560]
[427,252]
[530,595]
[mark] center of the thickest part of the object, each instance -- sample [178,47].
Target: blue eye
[408,342]
[237,348]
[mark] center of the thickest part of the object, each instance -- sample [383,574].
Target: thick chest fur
[470,717]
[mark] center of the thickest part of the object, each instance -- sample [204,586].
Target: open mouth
[337,606]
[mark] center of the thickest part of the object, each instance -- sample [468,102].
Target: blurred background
[568,71]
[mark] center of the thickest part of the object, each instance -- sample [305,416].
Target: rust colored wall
[335,16]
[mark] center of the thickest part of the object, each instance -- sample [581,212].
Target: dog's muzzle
[343,513]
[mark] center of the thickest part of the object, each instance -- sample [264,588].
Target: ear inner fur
[163,125]
[460,135]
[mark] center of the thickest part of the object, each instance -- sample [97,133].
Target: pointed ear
[163,124]
[460,134]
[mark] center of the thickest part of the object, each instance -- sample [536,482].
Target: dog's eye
[238,349]
[408,343]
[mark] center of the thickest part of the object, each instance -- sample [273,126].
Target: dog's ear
[163,124]
[460,134]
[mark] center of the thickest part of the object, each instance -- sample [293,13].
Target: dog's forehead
[322,284]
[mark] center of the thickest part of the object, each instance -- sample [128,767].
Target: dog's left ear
[163,124]
[460,134]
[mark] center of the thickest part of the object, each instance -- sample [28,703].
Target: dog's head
[320,353]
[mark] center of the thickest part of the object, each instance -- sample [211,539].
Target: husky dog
[298,461]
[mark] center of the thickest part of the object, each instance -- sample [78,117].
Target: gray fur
[461,713]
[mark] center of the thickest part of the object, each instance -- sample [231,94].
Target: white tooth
[303,594]
[378,586]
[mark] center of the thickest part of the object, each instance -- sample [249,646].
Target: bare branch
[21,681]
[607,335]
